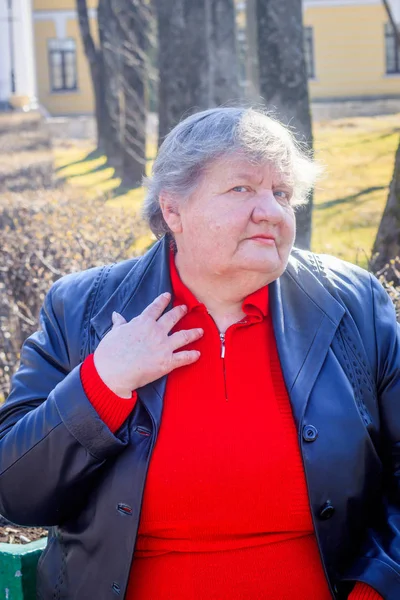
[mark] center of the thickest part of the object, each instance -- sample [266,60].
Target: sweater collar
[254,305]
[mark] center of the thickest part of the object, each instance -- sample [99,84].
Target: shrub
[389,276]
[44,236]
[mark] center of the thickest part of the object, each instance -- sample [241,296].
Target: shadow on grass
[96,169]
[371,138]
[90,156]
[121,189]
[347,199]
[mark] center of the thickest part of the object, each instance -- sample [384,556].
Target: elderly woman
[219,419]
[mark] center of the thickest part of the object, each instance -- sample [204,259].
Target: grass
[84,168]
[358,155]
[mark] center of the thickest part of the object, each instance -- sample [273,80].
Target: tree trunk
[198,66]
[94,57]
[197,49]
[283,79]
[118,69]
[134,27]
[224,65]
[110,43]
[252,73]
[387,241]
[173,98]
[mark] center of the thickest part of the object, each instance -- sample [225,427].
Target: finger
[184,337]
[117,319]
[157,307]
[171,318]
[186,357]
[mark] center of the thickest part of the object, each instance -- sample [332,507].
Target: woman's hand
[136,353]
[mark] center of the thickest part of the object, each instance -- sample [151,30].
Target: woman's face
[238,219]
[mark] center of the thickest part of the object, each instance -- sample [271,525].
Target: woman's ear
[170,210]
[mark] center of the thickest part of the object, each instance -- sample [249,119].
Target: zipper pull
[222,338]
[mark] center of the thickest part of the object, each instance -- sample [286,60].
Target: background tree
[224,68]
[109,48]
[387,241]
[95,58]
[172,86]
[283,79]
[118,67]
[198,66]
[133,19]
[251,66]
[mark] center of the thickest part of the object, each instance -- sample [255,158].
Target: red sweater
[225,511]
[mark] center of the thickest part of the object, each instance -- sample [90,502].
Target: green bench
[18,564]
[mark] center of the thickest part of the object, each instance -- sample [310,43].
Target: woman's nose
[267,208]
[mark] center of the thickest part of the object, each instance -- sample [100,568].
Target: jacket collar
[305,317]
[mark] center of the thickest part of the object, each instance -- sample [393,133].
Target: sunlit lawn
[86,169]
[349,201]
[358,155]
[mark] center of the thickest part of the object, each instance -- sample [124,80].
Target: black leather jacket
[60,465]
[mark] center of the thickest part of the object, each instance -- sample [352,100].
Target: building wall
[349,50]
[20,33]
[60,4]
[62,24]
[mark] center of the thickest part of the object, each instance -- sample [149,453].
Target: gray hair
[204,136]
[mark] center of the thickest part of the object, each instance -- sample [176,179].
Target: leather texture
[60,465]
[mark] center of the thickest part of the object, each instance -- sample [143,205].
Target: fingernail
[166,295]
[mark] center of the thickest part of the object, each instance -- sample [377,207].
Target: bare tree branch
[392,22]
[87,39]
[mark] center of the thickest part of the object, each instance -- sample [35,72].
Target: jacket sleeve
[379,564]
[52,440]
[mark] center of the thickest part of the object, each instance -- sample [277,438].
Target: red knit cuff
[362,591]
[112,409]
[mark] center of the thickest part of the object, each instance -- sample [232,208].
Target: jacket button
[326,511]
[124,509]
[310,433]
[116,588]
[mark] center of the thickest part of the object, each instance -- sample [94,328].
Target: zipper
[222,338]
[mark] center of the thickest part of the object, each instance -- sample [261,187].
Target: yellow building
[350,49]
[62,72]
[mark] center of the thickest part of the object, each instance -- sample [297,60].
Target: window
[309,51]
[392,52]
[62,63]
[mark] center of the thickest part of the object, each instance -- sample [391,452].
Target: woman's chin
[267,260]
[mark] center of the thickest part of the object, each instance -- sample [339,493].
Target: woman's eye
[282,194]
[240,188]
